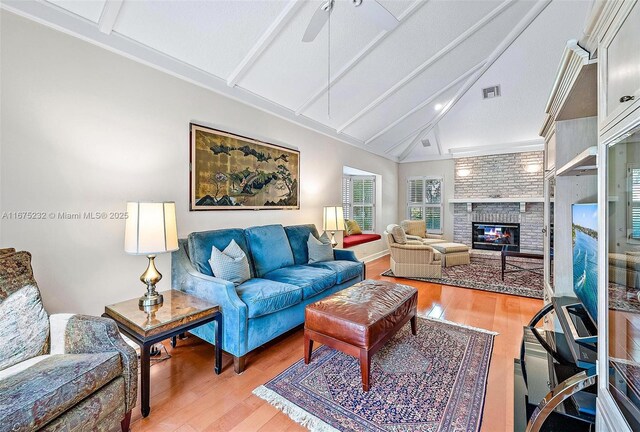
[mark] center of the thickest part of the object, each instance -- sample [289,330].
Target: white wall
[84,129]
[442,168]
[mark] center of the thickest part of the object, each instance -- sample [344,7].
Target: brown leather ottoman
[359,320]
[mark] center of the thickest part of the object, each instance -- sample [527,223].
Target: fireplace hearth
[494,236]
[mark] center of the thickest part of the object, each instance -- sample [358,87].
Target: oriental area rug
[435,381]
[484,273]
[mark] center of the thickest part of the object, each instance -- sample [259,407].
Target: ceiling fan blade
[318,20]
[378,13]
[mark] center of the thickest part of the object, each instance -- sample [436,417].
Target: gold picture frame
[232,172]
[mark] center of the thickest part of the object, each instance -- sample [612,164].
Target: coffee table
[147,326]
[516,268]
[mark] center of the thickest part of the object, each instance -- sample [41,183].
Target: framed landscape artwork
[232,172]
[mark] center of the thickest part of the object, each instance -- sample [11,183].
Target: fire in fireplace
[495,236]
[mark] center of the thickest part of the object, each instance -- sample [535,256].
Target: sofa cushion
[354,240]
[270,249]
[200,244]
[298,236]
[312,280]
[47,389]
[231,264]
[319,250]
[345,270]
[264,296]
[24,327]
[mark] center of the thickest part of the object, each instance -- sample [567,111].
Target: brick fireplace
[492,181]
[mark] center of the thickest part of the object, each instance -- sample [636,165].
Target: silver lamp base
[151,277]
[151,299]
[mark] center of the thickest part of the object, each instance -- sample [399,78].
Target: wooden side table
[179,313]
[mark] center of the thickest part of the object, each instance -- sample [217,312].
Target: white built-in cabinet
[619,70]
[618,47]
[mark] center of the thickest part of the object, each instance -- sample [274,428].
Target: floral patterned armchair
[61,372]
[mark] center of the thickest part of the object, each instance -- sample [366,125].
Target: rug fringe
[297,414]
[478,329]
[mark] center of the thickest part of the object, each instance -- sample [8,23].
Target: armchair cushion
[398,233]
[312,280]
[15,272]
[264,296]
[83,334]
[269,247]
[345,270]
[42,392]
[24,327]
[298,236]
[414,227]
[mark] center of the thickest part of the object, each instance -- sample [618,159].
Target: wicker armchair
[413,258]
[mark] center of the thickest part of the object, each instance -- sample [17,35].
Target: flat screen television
[584,233]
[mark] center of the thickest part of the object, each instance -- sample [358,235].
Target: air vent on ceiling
[426,142]
[491,92]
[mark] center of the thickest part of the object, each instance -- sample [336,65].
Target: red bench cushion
[357,239]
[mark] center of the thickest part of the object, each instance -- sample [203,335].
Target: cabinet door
[619,63]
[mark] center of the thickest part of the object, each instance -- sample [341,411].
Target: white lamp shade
[333,219]
[150,228]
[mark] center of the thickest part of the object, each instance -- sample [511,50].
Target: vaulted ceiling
[412,93]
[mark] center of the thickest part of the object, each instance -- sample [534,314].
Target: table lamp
[150,230]
[333,220]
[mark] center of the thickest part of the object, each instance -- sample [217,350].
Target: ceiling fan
[374,10]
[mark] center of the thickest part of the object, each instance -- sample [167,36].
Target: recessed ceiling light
[438,107]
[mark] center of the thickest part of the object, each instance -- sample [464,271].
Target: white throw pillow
[231,264]
[319,250]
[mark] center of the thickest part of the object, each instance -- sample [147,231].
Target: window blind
[634,202]
[358,200]
[424,201]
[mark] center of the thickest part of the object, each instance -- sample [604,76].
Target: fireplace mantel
[495,200]
[522,200]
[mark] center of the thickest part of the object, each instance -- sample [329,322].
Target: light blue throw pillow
[231,264]
[319,250]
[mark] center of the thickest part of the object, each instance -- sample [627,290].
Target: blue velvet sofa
[282,284]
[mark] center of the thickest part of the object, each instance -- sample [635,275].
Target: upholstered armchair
[412,258]
[417,230]
[61,372]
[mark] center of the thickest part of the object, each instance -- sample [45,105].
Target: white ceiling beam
[425,65]
[436,136]
[417,4]
[52,16]
[524,23]
[264,41]
[109,15]
[426,102]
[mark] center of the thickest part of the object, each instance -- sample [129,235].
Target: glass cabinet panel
[623,219]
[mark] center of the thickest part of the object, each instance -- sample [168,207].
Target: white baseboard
[375,256]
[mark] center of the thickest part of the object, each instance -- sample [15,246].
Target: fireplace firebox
[494,236]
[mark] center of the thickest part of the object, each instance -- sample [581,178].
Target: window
[424,201]
[358,200]
[634,203]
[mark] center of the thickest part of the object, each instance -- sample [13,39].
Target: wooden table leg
[145,366]
[218,366]
[365,365]
[308,347]
[414,325]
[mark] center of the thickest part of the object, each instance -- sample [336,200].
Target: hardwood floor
[187,396]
